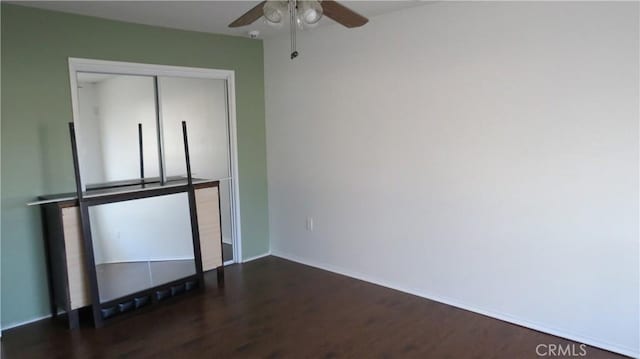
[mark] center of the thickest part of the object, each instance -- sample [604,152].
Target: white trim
[75,111]
[236,226]
[489,313]
[130,68]
[256,257]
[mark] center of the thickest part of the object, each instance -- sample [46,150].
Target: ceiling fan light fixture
[309,11]
[274,11]
[301,13]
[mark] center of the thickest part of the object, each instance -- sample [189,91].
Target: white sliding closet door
[111,107]
[202,103]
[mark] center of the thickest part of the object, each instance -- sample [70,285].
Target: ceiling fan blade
[342,14]
[250,16]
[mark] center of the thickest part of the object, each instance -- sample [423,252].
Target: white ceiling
[204,16]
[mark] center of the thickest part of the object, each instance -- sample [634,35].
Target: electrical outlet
[310,224]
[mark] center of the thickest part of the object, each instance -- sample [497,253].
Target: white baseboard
[635,353]
[256,257]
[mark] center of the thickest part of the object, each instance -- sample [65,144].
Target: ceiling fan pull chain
[292,26]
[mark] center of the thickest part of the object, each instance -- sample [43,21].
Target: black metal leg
[220,272]
[74,319]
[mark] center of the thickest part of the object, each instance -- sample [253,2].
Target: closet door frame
[130,68]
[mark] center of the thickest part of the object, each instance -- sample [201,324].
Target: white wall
[481,154]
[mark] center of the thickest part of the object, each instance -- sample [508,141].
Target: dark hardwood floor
[273,308]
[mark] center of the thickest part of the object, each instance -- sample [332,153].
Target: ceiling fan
[301,13]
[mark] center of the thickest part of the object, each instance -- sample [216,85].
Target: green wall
[36,106]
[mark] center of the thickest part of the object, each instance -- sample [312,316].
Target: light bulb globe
[274,11]
[309,11]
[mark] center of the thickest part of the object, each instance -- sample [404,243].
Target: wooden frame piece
[103,312]
[67,277]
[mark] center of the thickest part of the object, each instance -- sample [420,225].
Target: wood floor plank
[274,308]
